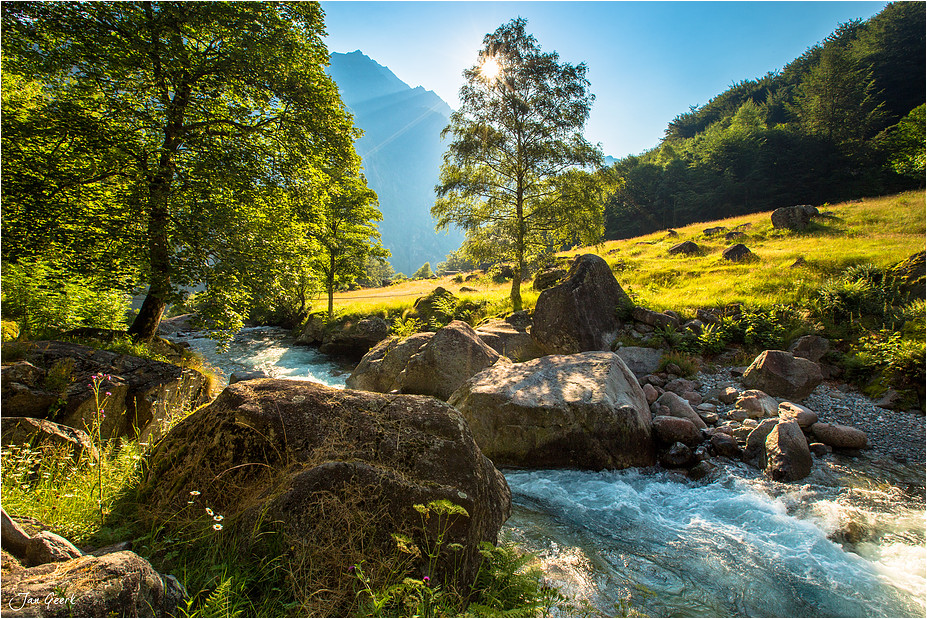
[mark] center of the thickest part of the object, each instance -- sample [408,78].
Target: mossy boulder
[336,473]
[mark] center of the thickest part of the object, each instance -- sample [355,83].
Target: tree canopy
[175,142]
[510,177]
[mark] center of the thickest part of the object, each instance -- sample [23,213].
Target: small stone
[738,414]
[725,445]
[819,449]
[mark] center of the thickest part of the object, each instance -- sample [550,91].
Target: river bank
[847,541]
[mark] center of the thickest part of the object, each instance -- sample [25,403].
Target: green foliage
[424,272]
[509,178]
[509,586]
[405,327]
[45,301]
[687,364]
[10,330]
[823,129]
[198,140]
[886,359]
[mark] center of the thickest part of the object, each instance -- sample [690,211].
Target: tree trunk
[145,326]
[519,250]
[330,286]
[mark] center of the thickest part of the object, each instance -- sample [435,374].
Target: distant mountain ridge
[402,152]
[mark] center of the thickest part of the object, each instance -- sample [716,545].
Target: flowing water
[849,541]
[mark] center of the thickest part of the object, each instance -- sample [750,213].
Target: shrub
[45,301]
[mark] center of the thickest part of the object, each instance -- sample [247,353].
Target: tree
[424,272]
[343,234]
[516,136]
[215,118]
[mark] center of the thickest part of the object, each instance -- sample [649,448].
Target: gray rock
[548,278]
[725,445]
[757,404]
[671,404]
[355,338]
[686,248]
[650,393]
[446,361]
[677,456]
[810,347]
[792,217]
[640,360]
[580,313]
[654,319]
[756,441]
[379,369]
[787,455]
[121,584]
[578,411]
[669,430]
[35,432]
[509,341]
[783,375]
[237,377]
[737,253]
[839,436]
[805,417]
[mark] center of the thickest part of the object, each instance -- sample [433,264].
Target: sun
[490,69]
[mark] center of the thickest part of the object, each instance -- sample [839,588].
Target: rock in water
[583,411]
[330,469]
[453,355]
[783,375]
[788,457]
[379,369]
[580,313]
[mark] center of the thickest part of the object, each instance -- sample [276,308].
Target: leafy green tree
[198,127]
[516,135]
[905,143]
[423,272]
[343,233]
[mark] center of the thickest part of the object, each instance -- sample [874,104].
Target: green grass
[881,231]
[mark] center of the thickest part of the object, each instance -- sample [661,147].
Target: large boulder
[738,253]
[805,417]
[345,336]
[120,584]
[686,248]
[331,469]
[509,341]
[787,457]
[379,369]
[584,411]
[756,440]
[354,339]
[793,217]
[144,395]
[757,404]
[41,432]
[446,361]
[580,313]
[783,375]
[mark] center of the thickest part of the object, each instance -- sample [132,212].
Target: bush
[45,301]
[424,272]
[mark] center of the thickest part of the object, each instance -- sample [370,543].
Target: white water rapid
[849,541]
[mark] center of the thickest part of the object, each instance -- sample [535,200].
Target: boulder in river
[787,456]
[583,411]
[379,369]
[337,472]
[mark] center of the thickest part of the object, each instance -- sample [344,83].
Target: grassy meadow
[881,231]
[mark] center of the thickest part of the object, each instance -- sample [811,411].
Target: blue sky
[648,61]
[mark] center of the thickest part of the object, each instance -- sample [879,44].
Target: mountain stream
[849,541]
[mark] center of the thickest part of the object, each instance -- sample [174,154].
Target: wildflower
[427,581]
[218,517]
[351,569]
[194,493]
[109,393]
[209,511]
[189,502]
[217,527]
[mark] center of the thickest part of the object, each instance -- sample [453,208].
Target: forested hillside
[844,120]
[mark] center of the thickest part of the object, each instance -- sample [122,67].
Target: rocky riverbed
[897,435]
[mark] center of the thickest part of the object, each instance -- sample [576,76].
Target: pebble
[899,435]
